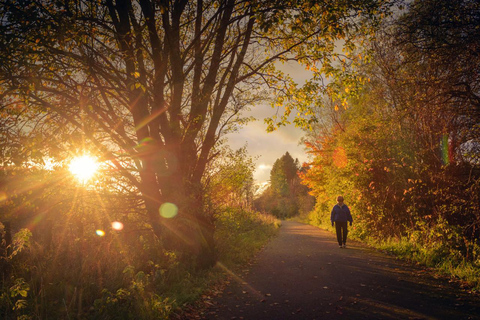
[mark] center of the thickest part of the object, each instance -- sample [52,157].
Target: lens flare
[168,210]
[83,168]
[144,144]
[100,233]
[116,225]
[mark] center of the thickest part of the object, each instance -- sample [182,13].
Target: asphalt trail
[302,274]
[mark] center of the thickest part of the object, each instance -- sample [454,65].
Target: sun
[83,167]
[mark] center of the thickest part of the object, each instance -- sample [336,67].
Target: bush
[240,233]
[75,272]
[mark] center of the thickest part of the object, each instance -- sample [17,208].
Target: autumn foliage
[405,152]
[285,197]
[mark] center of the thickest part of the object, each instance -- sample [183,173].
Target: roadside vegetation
[142,95]
[405,151]
[96,258]
[150,90]
[285,197]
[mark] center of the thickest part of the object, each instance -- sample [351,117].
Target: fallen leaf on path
[268,294]
[325,287]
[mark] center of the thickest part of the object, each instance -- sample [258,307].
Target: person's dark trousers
[341,228]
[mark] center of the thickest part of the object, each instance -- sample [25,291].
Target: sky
[266,147]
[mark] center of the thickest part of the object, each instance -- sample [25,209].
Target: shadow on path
[302,274]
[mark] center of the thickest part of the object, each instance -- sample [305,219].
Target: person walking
[340,216]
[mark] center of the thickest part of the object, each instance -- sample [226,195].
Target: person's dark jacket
[341,214]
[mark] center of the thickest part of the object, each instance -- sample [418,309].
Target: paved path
[302,274]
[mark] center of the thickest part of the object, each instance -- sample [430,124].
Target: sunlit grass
[241,233]
[92,248]
[442,257]
[442,260]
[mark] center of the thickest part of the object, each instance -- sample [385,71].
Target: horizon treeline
[285,197]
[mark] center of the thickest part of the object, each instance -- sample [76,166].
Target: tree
[230,180]
[153,86]
[283,175]
[404,138]
[285,197]
[440,39]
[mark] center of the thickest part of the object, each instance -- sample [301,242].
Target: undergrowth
[134,281]
[240,234]
[440,253]
[445,260]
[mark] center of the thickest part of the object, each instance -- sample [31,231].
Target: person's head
[340,199]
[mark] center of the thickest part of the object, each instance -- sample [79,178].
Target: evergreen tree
[286,195]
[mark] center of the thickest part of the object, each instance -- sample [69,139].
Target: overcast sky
[268,147]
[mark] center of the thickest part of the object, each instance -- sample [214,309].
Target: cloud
[266,147]
[262,173]
[263,166]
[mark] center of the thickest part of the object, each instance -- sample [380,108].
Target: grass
[136,280]
[437,255]
[239,235]
[445,260]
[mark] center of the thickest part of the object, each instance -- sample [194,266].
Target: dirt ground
[303,274]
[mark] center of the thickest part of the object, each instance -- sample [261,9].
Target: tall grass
[119,276]
[241,233]
[444,259]
[443,251]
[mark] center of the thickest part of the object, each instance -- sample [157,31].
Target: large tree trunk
[191,231]
[204,228]
[194,227]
